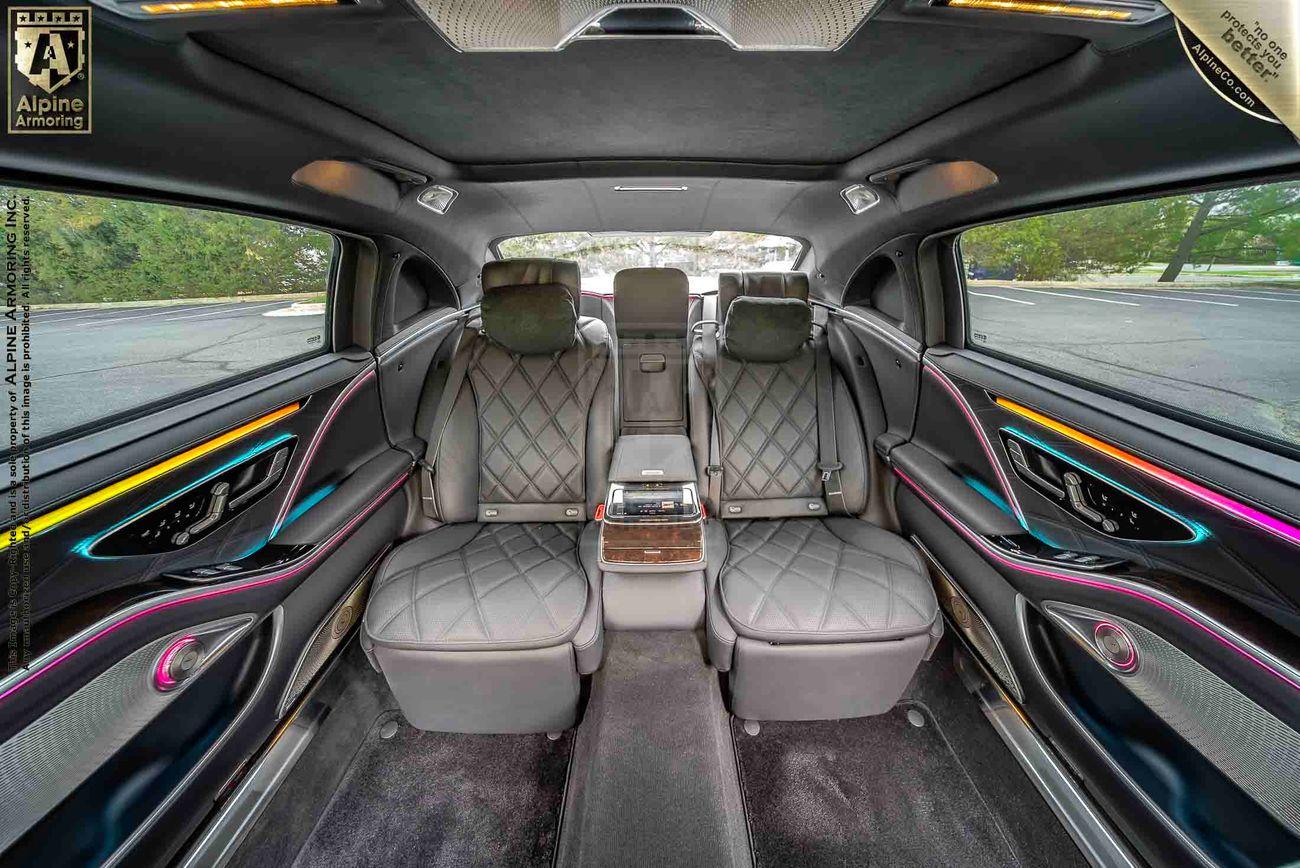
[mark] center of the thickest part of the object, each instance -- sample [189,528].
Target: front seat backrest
[530,434]
[761,377]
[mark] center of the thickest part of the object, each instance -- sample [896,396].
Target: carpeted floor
[653,781]
[873,791]
[654,776]
[879,791]
[415,799]
[444,799]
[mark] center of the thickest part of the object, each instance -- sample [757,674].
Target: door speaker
[971,623]
[329,635]
[1254,749]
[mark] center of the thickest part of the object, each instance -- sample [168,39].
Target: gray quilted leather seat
[481,585]
[814,613]
[485,623]
[823,580]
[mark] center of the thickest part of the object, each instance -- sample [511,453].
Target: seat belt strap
[709,340]
[460,360]
[828,461]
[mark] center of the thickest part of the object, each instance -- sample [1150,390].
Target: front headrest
[651,301]
[530,320]
[532,272]
[766,329]
[759,284]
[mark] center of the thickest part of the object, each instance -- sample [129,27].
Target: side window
[1191,301]
[131,303]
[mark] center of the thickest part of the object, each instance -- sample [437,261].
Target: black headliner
[643,99]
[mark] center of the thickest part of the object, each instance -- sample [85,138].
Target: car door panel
[1192,746]
[140,763]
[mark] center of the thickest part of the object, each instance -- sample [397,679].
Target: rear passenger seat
[814,613]
[485,624]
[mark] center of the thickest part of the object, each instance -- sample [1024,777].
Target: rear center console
[652,536]
[655,524]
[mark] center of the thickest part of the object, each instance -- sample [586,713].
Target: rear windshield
[700,254]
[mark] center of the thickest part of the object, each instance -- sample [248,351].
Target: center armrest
[652,520]
[653,458]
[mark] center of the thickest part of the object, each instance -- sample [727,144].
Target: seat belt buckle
[828,469]
[426,479]
[713,469]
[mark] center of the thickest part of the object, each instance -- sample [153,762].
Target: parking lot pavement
[1225,352]
[92,363]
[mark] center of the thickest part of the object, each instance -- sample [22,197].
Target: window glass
[133,302]
[700,254]
[1192,301]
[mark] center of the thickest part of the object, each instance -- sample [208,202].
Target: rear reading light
[859,197]
[1092,11]
[190,7]
[437,198]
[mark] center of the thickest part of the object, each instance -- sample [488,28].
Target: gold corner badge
[49,69]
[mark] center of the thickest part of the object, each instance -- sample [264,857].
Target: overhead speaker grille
[1254,749]
[971,623]
[549,25]
[331,633]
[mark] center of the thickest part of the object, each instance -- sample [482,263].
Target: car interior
[560,433]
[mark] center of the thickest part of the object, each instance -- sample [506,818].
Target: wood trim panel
[652,543]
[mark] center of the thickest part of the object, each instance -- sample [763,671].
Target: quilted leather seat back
[766,413]
[531,436]
[758,420]
[532,414]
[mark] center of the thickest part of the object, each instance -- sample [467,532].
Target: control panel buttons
[1094,500]
[191,514]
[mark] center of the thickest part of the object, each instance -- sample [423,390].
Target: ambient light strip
[1276,527]
[969,413]
[1042,7]
[55,517]
[1112,586]
[316,439]
[192,6]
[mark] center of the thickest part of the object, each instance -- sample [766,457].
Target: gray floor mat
[872,791]
[444,799]
[654,780]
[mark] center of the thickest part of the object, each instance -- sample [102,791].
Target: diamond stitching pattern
[767,427]
[532,414]
[794,575]
[512,582]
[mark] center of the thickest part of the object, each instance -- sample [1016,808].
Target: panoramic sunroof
[549,25]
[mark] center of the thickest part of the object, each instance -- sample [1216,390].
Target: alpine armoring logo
[49,72]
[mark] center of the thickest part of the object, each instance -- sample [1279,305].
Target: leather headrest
[759,284]
[651,301]
[529,272]
[766,329]
[530,320]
